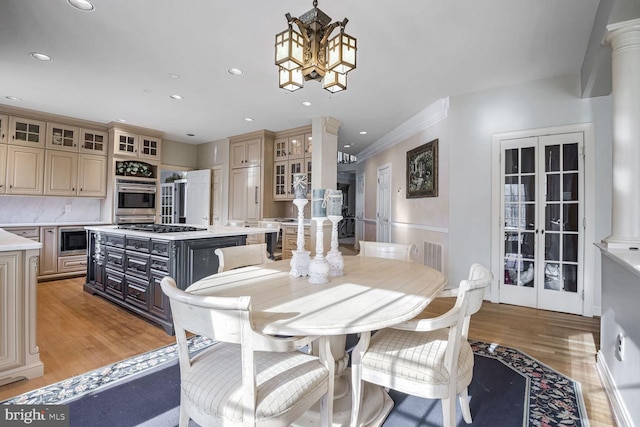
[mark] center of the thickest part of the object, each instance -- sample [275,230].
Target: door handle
[256,196]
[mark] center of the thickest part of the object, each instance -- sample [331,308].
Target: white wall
[475,117]
[179,154]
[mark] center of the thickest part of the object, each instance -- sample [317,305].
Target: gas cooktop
[159,228]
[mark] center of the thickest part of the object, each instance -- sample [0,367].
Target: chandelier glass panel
[309,54]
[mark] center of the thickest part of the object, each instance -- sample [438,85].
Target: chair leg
[448,412]
[464,404]
[184,417]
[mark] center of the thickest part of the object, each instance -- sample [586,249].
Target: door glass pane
[528,160]
[570,186]
[570,247]
[570,157]
[552,158]
[552,217]
[530,216]
[528,188]
[570,216]
[570,276]
[552,246]
[528,246]
[510,161]
[552,279]
[553,187]
[511,189]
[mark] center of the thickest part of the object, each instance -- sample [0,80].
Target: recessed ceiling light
[235,71]
[121,120]
[363,132]
[83,5]
[174,76]
[347,145]
[13,98]
[306,104]
[248,119]
[40,56]
[175,97]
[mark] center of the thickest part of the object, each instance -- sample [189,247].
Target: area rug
[509,388]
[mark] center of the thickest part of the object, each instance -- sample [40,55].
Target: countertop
[628,258]
[13,242]
[212,231]
[51,224]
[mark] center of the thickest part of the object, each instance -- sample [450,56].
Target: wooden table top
[372,294]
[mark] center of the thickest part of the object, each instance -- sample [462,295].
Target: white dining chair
[429,358]
[400,251]
[241,256]
[246,378]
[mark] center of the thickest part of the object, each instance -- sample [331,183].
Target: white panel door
[198,197]
[383,228]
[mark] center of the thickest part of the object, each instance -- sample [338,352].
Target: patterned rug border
[548,388]
[74,387]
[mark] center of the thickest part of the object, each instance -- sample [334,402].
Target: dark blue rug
[509,388]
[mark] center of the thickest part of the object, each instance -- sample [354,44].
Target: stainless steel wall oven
[135,200]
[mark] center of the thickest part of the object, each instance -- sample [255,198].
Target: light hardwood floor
[78,332]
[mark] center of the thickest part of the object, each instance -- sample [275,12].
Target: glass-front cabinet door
[542,208]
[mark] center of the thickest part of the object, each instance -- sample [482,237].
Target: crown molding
[421,121]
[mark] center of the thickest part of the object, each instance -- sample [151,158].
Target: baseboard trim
[620,413]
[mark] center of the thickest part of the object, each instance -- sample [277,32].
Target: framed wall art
[422,171]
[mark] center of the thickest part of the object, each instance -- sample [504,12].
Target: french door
[542,188]
[383,227]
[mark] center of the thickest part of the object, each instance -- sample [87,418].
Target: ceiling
[117,61]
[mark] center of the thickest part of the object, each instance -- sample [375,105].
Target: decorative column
[334,213]
[319,267]
[300,258]
[624,38]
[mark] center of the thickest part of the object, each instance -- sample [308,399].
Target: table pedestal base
[376,405]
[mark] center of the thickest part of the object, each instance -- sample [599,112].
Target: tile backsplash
[48,210]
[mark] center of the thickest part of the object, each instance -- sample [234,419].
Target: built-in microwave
[135,200]
[72,241]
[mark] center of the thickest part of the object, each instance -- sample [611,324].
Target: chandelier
[308,54]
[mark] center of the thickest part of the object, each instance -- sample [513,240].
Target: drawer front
[160,264]
[32,233]
[138,264]
[114,240]
[138,292]
[290,243]
[114,283]
[114,258]
[293,231]
[71,264]
[138,244]
[160,247]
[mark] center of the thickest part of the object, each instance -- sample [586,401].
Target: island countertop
[13,242]
[210,231]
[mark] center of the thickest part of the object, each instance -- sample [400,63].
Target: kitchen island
[125,266]
[19,353]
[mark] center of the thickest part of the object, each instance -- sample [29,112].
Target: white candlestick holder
[300,258]
[334,256]
[319,267]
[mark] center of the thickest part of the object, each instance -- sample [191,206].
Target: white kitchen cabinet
[60,173]
[93,142]
[292,147]
[4,126]
[246,153]
[3,168]
[245,196]
[27,132]
[135,145]
[62,137]
[283,172]
[49,251]
[25,170]
[71,174]
[92,176]
[19,354]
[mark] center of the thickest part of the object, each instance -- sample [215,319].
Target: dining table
[373,293]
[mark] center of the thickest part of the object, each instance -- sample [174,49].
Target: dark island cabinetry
[127,269]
